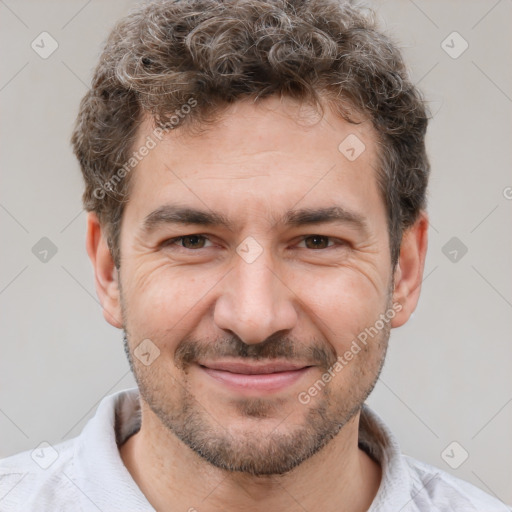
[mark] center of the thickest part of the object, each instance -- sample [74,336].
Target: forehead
[260,158]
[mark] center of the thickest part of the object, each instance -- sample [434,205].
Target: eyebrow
[172,214]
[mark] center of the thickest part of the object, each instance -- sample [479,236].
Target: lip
[252,369]
[259,378]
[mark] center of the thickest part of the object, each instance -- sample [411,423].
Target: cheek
[166,302]
[342,301]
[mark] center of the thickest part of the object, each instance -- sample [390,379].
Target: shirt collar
[103,479]
[379,442]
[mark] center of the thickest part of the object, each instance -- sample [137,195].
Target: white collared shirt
[87,474]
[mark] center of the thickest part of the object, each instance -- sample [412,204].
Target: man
[255,176]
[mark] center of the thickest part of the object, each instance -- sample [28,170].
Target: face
[254,255]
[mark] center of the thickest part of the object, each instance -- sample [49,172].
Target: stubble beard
[254,451]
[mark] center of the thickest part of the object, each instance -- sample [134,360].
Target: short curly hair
[215,52]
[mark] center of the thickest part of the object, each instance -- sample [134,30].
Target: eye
[319,242]
[187,242]
[193,242]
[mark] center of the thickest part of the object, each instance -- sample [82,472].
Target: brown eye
[192,241]
[186,242]
[316,242]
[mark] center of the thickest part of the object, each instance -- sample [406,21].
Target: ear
[409,271]
[105,272]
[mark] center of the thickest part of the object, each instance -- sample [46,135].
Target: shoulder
[28,479]
[435,489]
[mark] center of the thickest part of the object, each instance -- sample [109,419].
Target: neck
[340,477]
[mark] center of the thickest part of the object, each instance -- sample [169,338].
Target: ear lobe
[106,276]
[409,271]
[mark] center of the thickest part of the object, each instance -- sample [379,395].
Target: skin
[268,451]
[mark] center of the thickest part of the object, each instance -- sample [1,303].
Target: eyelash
[173,241]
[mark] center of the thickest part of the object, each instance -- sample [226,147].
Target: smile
[268,377]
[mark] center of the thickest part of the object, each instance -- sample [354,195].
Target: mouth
[260,378]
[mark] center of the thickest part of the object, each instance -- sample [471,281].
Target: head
[255,177]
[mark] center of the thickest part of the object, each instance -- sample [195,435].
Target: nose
[255,302]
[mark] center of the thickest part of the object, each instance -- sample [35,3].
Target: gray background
[448,373]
